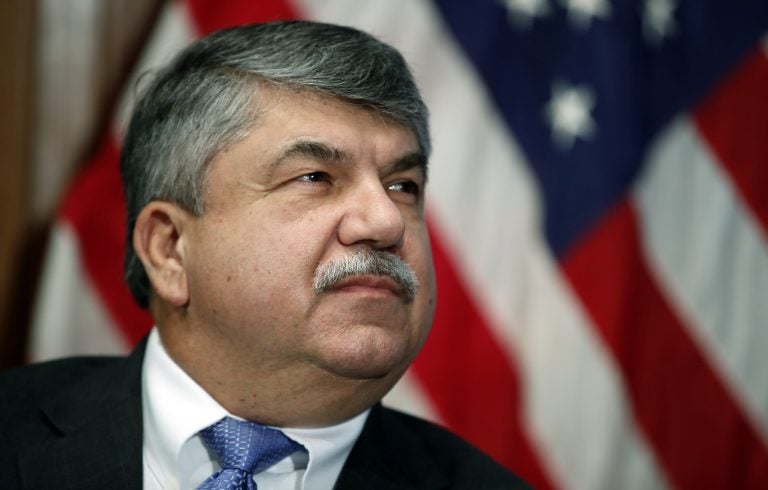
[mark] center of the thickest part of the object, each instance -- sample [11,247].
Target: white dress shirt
[176,408]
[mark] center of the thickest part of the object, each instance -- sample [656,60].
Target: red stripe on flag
[699,433]
[734,121]
[212,15]
[95,208]
[471,381]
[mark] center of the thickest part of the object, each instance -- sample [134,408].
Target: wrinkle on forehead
[323,152]
[310,116]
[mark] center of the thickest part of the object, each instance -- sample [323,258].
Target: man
[275,179]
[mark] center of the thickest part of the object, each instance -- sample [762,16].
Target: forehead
[295,127]
[284,117]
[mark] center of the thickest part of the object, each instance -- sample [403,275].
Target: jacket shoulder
[61,418]
[466,465]
[399,451]
[45,378]
[24,389]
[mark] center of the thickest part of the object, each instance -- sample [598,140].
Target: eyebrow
[409,161]
[315,150]
[326,153]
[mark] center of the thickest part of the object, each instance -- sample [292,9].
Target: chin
[367,360]
[362,370]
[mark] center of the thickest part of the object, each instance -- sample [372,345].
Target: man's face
[315,181]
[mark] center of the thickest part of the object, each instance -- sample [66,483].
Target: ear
[158,239]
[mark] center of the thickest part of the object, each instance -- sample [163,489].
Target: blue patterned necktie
[244,449]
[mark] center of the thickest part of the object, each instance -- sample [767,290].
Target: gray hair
[204,102]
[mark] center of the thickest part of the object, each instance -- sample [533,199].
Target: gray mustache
[365,262]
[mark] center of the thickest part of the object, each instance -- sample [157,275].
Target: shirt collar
[176,408]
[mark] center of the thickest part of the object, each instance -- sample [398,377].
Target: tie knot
[247,446]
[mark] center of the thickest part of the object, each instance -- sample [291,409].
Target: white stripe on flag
[710,257]
[66,94]
[483,200]
[70,318]
[174,31]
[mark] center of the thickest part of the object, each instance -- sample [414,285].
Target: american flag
[598,203]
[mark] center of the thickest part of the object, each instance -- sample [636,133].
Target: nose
[372,218]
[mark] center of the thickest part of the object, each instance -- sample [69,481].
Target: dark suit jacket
[77,424]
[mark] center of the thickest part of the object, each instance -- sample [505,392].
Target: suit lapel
[386,457]
[99,428]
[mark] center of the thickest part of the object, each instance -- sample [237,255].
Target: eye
[314,177]
[405,186]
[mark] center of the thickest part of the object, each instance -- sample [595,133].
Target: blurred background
[598,204]
[65,65]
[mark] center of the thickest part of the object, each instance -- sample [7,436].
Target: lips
[380,283]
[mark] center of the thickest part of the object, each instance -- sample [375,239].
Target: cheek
[249,288]
[420,259]
[419,256]
[269,255]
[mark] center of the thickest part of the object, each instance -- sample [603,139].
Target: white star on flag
[581,12]
[658,20]
[569,114]
[523,12]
